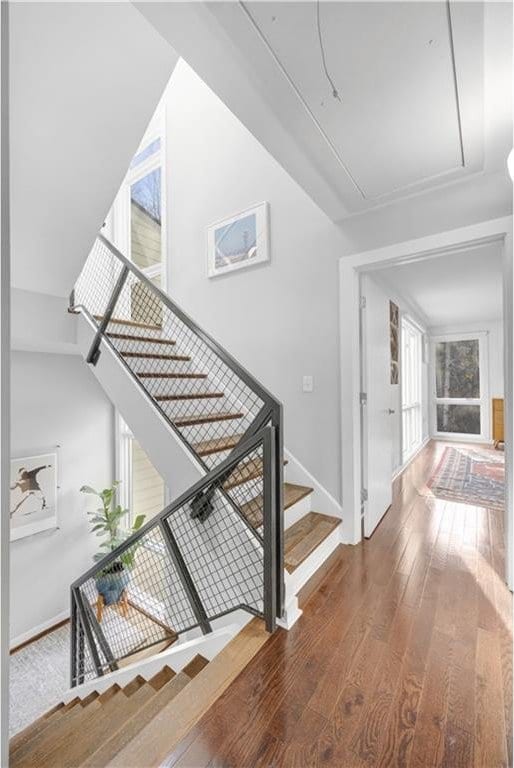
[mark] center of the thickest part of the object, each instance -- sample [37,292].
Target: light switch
[308,384]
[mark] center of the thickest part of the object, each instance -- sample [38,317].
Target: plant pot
[112,583]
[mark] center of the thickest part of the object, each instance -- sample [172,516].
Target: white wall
[280,319]
[85,81]
[55,399]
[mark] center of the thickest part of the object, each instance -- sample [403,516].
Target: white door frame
[350,268]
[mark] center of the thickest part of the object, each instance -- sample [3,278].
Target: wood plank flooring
[403,655]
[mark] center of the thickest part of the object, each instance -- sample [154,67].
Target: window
[142,489]
[412,387]
[460,385]
[136,220]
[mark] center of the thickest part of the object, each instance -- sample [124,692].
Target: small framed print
[238,242]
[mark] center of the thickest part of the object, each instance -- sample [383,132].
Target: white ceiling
[456,289]
[425,88]
[80,103]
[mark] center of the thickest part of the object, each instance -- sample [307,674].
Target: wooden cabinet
[498,434]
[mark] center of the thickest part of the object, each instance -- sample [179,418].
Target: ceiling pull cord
[335,92]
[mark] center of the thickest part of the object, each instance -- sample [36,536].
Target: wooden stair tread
[154,356]
[209,418]
[132,323]
[132,337]
[145,653]
[253,509]
[21,755]
[74,744]
[248,470]
[218,445]
[302,538]
[156,375]
[162,677]
[106,751]
[189,396]
[37,726]
[195,666]
[157,739]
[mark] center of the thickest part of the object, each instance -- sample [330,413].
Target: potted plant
[106,521]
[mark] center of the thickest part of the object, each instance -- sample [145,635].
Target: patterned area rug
[470,477]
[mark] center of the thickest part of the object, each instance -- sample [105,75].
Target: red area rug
[470,477]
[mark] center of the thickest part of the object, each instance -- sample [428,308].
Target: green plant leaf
[88,489]
[138,522]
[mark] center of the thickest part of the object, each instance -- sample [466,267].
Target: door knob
[390,411]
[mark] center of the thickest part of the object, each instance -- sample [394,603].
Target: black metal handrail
[226,529]
[186,581]
[113,272]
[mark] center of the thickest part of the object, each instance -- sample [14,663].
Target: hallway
[403,655]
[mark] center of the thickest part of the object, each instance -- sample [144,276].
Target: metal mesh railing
[207,398]
[220,546]
[201,558]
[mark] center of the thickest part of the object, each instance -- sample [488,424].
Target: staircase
[237,540]
[137,723]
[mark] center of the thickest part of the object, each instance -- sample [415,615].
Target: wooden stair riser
[305,536]
[128,343]
[203,433]
[129,731]
[19,757]
[150,365]
[177,409]
[253,509]
[135,328]
[94,729]
[157,739]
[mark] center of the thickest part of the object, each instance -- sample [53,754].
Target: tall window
[460,385]
[136,220]
[142,489]
[412,387]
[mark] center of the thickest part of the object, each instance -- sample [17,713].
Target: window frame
[482,401]
[118,221]
[416,405]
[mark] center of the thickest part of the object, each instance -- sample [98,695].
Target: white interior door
[379,411]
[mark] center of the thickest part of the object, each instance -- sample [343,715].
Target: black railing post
[102,642]
[74,651]
[269,525]
[185,577]
[94,351]
[88,633]
[277,423]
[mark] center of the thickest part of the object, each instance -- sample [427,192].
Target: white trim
[321,498]
[401,470]
[350,267]
[34,631]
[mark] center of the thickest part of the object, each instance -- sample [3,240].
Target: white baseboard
[25,636]
[409,461]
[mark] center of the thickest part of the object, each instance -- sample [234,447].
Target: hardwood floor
[403,655]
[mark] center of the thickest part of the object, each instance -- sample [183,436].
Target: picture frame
[239,241]
[394,336]
[33,495]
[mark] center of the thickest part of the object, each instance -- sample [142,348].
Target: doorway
[352,269]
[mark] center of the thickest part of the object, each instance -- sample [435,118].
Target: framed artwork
[394,337]
[238,242]
[33,499]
